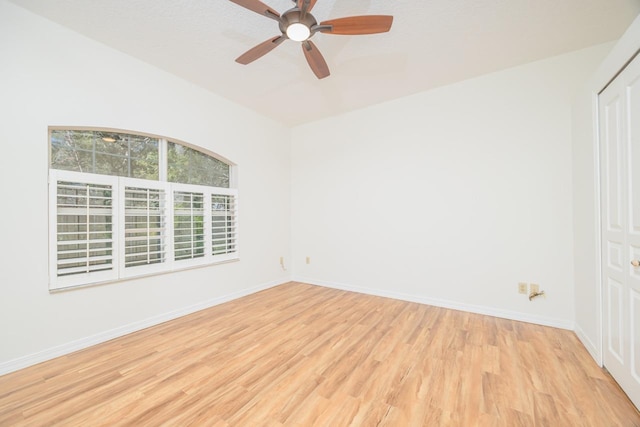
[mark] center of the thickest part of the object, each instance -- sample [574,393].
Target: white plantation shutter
[145,225]
[84,224]
[223,224]
[106,228]
[188,225]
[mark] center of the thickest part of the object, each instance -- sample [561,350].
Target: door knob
[635,263]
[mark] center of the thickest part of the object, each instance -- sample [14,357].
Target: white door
[619,107]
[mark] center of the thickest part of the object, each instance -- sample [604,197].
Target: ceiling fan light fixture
[298,32]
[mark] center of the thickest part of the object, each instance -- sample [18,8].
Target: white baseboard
[593,350]
[489,311]
[70,347]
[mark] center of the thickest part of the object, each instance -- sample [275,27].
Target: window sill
[142,276]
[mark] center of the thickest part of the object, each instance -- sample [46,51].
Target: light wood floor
[301,355]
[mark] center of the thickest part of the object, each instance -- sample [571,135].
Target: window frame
[120,271]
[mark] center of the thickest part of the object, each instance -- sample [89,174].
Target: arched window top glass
[188,166]
[135,156]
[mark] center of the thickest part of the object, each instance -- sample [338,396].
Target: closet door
[619,107]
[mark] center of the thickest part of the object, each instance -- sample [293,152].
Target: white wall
[586,219]
[52,76]
[449,197]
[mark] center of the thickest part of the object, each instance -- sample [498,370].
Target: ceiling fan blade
[260,50]
[300,4]
[356,25]
[258,7]
[315,59]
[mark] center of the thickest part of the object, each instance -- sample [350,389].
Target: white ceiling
[431,43]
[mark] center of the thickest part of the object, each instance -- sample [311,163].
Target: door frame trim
[625,51]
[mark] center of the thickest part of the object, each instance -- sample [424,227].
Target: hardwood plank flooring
[301,355]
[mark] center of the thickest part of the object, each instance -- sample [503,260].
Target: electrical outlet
[522,288]
[308,260]
[534,288]
[282,263]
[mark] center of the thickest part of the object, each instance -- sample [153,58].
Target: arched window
[125,205]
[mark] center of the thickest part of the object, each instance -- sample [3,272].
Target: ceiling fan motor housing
[295,16]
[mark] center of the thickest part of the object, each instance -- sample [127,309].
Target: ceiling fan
[298,24]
